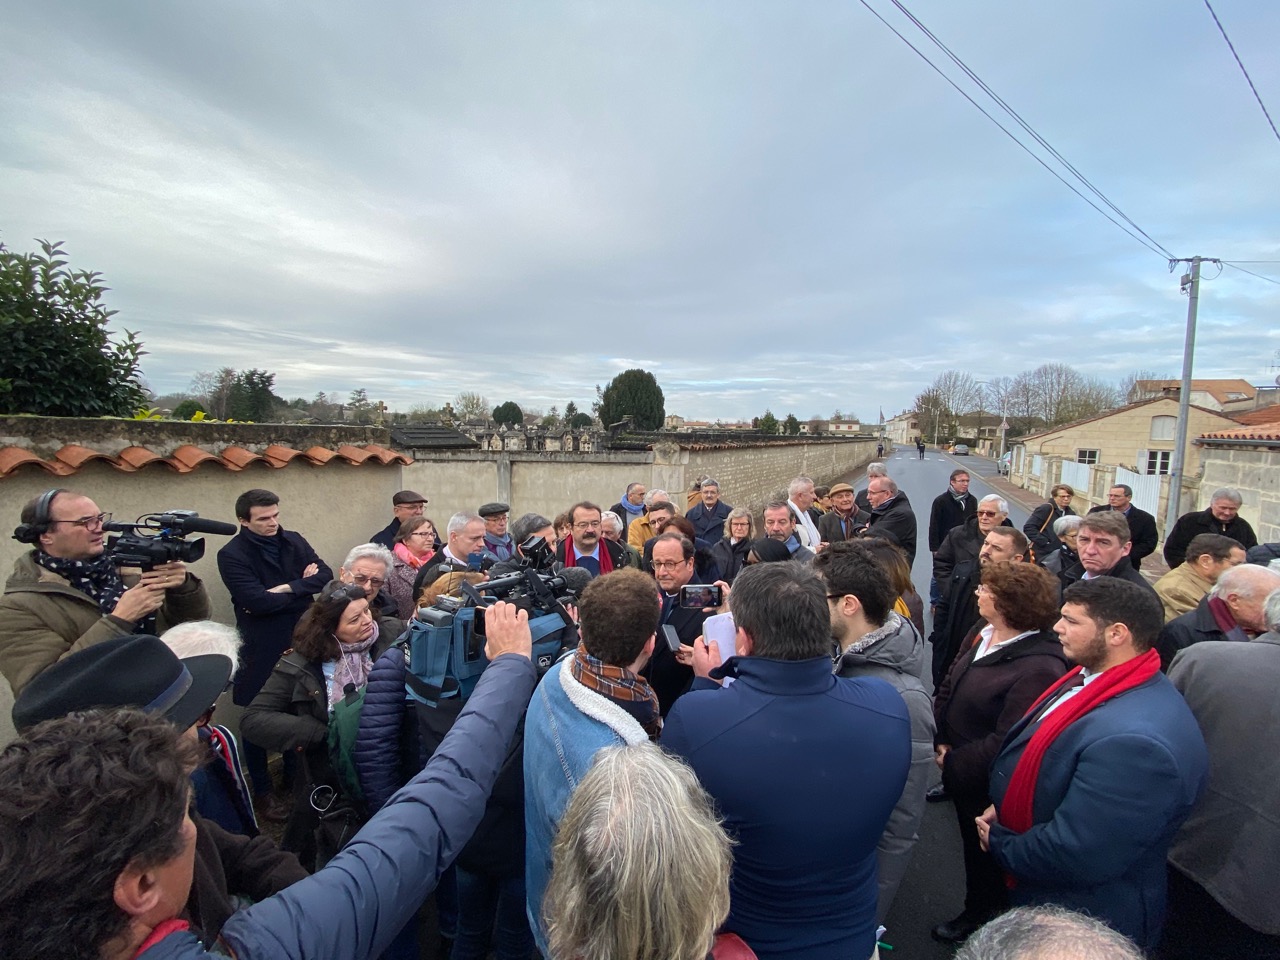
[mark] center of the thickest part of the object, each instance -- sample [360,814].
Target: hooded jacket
[897,654]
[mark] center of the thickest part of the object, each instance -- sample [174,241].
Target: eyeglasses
[669,564]
[587,525]
[361,579]
[988,513]
[87,522]
[424,533]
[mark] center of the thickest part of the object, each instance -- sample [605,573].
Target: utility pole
[1190,284]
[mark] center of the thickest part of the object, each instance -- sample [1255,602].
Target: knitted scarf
[606,561]
[353,667]
[635,509]
[632,693]
[98,579]
[411,558]
[1016,809]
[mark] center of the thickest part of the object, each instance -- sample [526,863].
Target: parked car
[961,450]
[1003,464]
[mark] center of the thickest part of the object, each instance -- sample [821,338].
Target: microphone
[202,525]
[575,579]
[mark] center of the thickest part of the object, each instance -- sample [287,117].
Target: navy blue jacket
[1113,790]
[361,899]
[266,620]
[708,524]
[806,768]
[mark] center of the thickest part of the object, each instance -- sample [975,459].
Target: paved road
[933,889]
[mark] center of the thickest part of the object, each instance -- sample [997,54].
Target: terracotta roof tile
[237,458]
[1269,414]
[1262,432]
[278,456]
[136,457]
[72,457]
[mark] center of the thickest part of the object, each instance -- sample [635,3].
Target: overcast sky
[765,204]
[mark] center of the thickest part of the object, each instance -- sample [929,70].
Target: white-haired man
[800,497]
[1222,516]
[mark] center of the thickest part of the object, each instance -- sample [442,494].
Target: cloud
[765,206]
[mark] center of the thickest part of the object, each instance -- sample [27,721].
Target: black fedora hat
[131,671]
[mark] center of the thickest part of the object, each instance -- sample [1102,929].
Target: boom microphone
[203,525]
[575,579]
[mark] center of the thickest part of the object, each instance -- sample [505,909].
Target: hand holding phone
[699,596]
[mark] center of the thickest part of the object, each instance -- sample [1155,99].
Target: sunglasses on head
[335,591]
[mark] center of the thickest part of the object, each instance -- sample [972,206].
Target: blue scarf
[626,505]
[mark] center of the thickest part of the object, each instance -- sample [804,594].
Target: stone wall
[1254,470]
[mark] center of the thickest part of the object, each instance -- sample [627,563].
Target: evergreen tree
[634,393]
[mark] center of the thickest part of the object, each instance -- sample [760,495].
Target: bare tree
[213,390]
[471,406]
[1128,389]
[958,391]
[932,415]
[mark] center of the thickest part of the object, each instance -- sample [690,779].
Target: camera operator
[67,593]
[528,525]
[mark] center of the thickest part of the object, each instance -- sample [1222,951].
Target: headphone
[40,523]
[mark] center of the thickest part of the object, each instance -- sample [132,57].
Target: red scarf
[1016,809]
[160,931]
[605,560]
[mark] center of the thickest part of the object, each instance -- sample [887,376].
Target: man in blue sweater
[805,767]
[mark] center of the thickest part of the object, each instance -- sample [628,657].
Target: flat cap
[493,509]
[839,488]
[407,496]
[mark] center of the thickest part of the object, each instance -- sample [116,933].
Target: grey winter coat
[899,657]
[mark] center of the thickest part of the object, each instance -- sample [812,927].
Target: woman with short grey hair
[1065,531]
[640,865]
[730,551]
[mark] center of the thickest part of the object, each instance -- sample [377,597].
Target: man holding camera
[67,594]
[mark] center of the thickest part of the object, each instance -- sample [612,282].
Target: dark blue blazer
[266,620]
[1113,790]
[708,524]
[805,768]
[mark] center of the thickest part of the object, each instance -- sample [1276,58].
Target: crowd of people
[728,756]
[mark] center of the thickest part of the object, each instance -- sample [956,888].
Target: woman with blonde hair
[640,865]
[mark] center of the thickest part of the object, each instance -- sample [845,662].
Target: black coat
[1142,533]
[708,524]
[386,537]
[896,521]
[1121,571]
[954,616]
[1194,626]
[730,557]
[616,551]
[947,513]
[1203,521]
[978,703]
[266,620]
[668,677]
[1039,529]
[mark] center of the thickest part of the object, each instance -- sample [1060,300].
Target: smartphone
[699,595]
[477,625]
[673,639]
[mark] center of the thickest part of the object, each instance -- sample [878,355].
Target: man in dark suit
[673,567]
[271,574]
[586,548]
[708,517]
[404,504]
[1142,525]
[1088,800]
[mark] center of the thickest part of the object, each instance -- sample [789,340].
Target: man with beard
[585,547]
[1086,800]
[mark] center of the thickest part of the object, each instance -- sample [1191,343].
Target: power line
[1233,266]
[1026,126]
[1147,242]
[1231,46]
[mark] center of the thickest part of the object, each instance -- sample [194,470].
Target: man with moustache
[585,547]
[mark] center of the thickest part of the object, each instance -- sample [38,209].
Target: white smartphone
[721,629]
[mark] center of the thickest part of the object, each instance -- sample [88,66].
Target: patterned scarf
[353,667]
[633,694]
[98,579]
